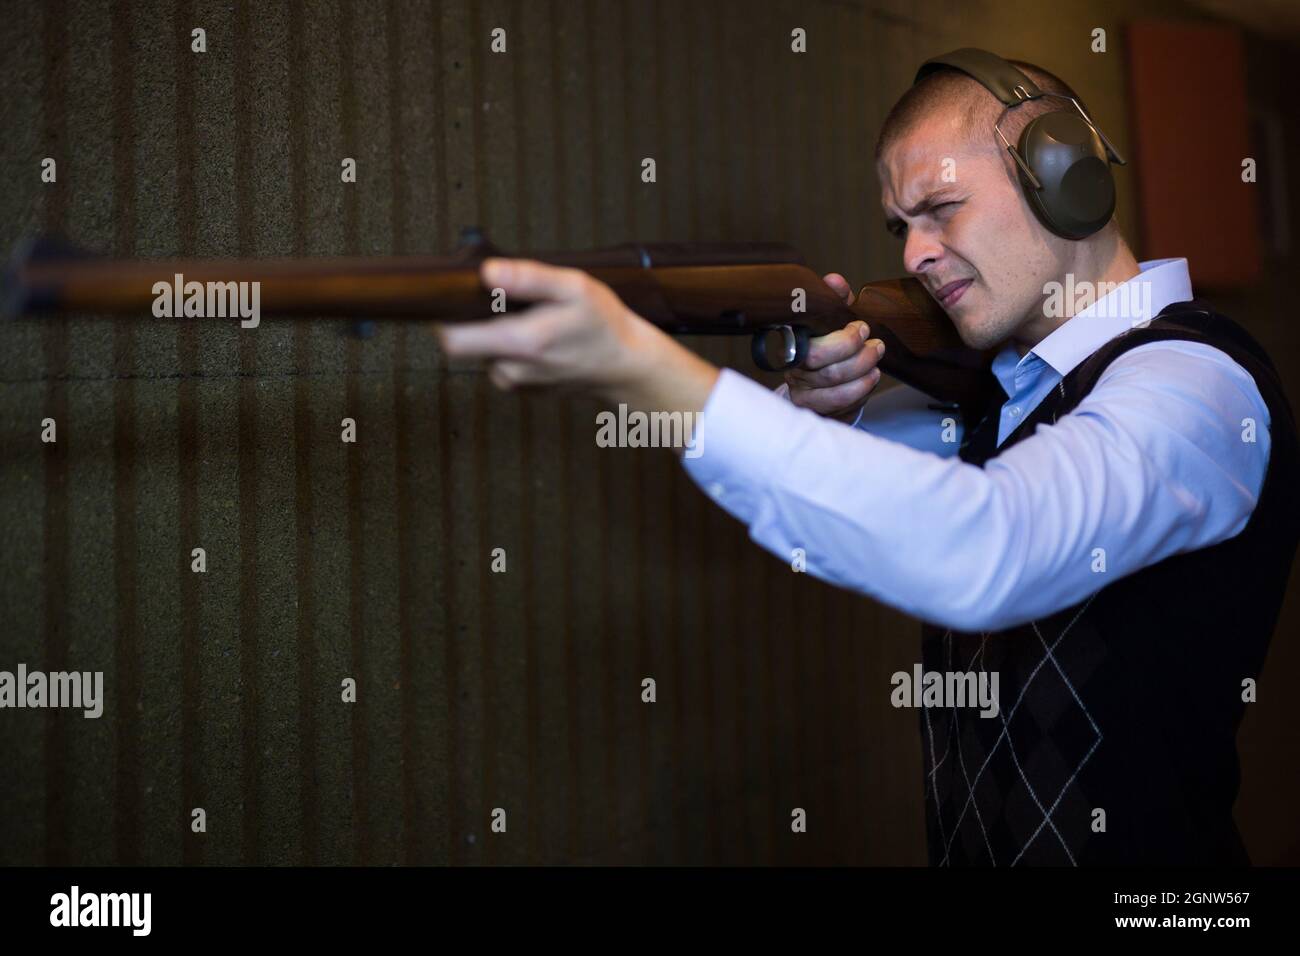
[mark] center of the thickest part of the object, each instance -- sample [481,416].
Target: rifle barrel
[683,288]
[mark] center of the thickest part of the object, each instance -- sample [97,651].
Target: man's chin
[976,334]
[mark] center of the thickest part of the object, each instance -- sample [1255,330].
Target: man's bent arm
[1151,463]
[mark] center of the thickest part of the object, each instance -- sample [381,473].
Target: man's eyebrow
[934,197]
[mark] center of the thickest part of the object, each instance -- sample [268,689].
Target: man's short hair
[971,104]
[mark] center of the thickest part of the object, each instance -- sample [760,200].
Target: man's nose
[920,252]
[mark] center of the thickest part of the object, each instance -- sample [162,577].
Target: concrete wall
[326,560]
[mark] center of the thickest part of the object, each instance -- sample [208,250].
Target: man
[1112,537]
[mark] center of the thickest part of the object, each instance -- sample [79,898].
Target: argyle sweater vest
[1116,737]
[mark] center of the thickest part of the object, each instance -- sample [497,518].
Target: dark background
[325,561]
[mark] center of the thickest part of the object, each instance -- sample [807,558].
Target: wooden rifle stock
[690,288]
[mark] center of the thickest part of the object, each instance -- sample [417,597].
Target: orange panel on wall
[1190,121]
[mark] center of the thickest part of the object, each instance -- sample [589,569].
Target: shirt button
[716,490]
[1014,411]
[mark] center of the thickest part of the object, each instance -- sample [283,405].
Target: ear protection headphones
[1063,159]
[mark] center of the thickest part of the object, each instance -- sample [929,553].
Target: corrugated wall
[328,560]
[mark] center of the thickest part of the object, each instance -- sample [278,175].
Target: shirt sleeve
[1166,454]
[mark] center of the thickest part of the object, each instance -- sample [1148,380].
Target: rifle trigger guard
[796,348]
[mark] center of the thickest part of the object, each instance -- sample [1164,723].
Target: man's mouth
[948,295]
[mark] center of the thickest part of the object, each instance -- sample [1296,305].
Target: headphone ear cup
[1070,160]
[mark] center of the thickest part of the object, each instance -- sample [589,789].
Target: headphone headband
[1007,83]
[994,73]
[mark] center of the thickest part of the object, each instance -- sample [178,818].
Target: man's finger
[509,375]
[838,399]
[837,346]
[521,337]
[853,367]
[532,280]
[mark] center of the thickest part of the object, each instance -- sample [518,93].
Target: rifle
[686,288]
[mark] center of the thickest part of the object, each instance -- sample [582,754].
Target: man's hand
[579,334]
[840,370]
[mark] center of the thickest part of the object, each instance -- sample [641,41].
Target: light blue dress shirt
[1167,454]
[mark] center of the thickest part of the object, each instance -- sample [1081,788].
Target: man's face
[969,234]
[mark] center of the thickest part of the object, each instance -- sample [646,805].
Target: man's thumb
[840,285]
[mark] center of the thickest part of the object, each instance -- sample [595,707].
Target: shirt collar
[1159,283]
